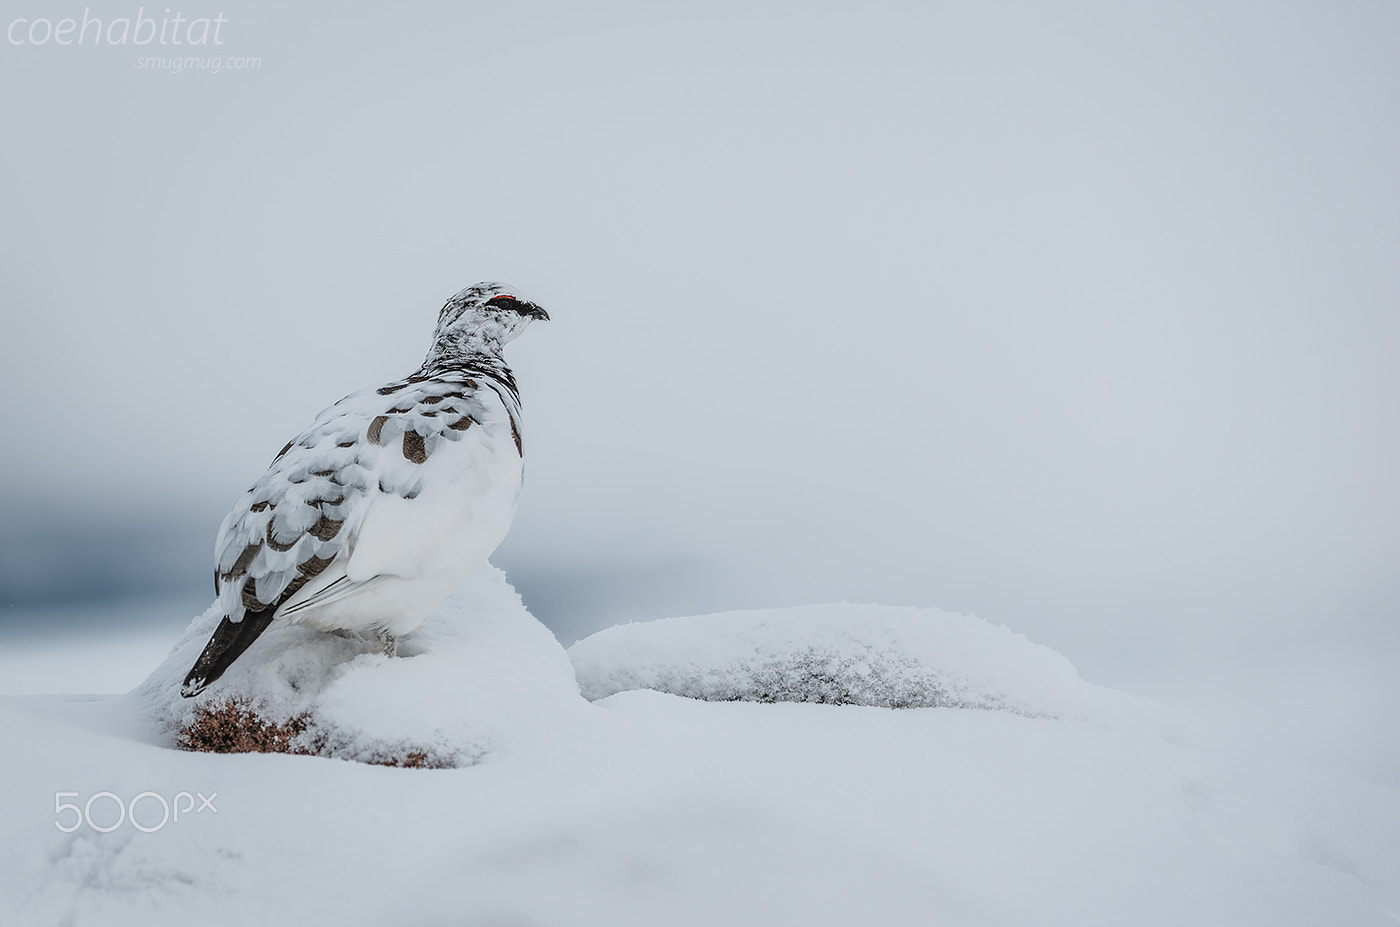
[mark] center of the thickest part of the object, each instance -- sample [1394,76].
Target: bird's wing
[303,517]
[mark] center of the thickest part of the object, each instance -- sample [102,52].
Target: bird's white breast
[425,528]
[466,504]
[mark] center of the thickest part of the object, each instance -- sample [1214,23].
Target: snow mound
[479,670]
[873,655]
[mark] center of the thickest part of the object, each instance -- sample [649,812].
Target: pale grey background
[1080,316]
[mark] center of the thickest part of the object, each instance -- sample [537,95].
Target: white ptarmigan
[393,496]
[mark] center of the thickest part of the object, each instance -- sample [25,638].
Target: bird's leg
[388,643]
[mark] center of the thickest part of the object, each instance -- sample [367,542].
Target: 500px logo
[126,811]
[119,31]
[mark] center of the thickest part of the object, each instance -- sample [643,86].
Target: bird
[387,501]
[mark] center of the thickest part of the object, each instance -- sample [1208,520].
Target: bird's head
[484,317]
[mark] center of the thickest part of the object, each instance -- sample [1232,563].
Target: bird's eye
[502,302]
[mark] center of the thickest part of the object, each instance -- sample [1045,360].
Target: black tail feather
[230,639]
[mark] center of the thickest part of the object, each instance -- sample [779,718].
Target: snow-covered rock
[479,670]
[873,655]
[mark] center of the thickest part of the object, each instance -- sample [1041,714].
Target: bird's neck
[456,348]
[480,363]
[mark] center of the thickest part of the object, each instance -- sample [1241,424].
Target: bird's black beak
[533,311]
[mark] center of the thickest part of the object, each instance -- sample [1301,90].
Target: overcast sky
[1081,317]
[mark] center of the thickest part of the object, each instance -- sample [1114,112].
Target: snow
[479,671]
[1057,802]
[870,655]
